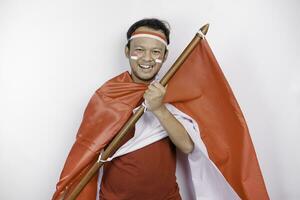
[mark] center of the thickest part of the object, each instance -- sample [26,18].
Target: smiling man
[154,165]
[163,141]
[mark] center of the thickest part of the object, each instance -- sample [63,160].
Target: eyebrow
[151,48]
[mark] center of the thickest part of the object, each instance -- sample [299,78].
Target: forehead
[147,42]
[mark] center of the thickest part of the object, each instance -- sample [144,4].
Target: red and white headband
[148,34]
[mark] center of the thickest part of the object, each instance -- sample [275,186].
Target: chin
[143,77]
[146,78]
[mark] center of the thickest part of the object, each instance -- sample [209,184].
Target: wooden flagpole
[112,147]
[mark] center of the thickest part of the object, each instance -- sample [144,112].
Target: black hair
[153,23]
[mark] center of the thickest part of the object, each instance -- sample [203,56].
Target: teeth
[145,66]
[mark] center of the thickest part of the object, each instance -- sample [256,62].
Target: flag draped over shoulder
[198,89]
[107,111]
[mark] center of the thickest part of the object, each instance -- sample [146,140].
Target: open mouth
[145,66]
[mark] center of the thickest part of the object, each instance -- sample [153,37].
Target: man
[147,51]
[145,165]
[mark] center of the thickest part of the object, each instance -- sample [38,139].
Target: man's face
[146,56]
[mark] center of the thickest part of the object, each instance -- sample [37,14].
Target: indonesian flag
[200,90]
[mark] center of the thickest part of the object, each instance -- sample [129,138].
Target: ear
[126,51]
[166,55]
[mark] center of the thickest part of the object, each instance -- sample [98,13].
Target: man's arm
[177,133]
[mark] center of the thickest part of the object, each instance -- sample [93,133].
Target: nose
[148,56]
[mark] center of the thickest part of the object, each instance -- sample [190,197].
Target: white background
[55,54]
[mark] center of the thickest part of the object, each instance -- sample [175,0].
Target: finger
[166,88]
[152,88]
[159,86]
[149,93]
[146,103]
[146,96]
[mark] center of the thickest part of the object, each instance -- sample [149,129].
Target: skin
[147,50]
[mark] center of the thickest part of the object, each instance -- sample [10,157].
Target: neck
[137,80]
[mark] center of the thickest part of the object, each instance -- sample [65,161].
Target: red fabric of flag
[199,89]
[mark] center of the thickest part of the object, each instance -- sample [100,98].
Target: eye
[139,50]
[156,52]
